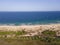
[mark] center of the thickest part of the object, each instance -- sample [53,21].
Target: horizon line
[29,11]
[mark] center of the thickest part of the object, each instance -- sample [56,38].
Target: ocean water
[18,18]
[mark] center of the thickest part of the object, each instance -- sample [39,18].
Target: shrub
[49,33]
[20,32]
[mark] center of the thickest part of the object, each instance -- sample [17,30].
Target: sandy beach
[30,27]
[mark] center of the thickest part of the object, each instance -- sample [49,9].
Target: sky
[29,5]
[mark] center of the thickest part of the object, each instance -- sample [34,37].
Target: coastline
[39,27]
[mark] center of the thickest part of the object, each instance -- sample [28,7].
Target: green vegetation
[7,32]
[47,37]
[49,33]
[20,32]
[12,32]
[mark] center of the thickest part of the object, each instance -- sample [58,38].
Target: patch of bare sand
[31,27]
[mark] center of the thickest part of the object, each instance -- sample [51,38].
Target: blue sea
[18,18]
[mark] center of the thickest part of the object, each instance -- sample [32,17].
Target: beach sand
[30,27]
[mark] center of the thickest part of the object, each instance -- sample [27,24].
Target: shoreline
[29,27]
[19,24]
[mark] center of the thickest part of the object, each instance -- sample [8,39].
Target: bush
[49,33]
[20,32]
